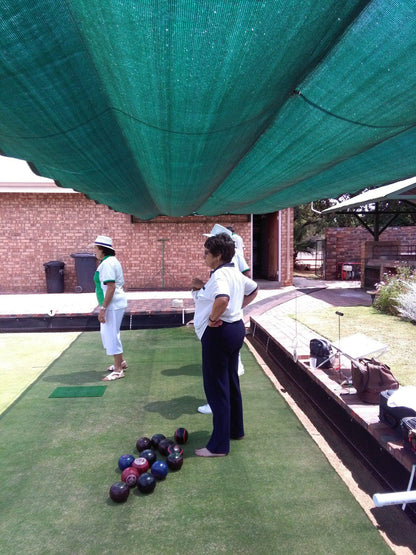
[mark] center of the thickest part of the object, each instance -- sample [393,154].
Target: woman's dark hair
[221,245]
[107,251]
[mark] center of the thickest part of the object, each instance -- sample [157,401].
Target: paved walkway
[269,296]
[272,313]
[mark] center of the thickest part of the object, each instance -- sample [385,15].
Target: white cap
[218,229]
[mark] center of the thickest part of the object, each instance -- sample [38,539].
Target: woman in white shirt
[109,283]
[219,325]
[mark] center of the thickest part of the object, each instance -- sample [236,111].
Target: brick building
[345,246]
[41,222]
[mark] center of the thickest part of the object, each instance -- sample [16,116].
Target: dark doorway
[260,249]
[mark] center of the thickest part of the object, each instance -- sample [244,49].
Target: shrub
[392,288]
[407,302]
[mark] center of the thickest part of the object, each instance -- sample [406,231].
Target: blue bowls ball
[159,470]
[125,461]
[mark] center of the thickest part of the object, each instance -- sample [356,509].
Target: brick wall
[344,244]
[38,228]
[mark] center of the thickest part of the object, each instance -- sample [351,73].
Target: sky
[18,171]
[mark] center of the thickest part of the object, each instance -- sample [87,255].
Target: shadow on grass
[197,439]
[189,370]
[75,378]
[174,408]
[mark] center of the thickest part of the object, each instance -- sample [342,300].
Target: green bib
[98,289]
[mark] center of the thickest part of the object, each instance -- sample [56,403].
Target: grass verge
[398,334]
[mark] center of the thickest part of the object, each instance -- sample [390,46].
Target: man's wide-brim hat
[104,241]
[218,229]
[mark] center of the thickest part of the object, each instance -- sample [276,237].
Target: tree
[309,225]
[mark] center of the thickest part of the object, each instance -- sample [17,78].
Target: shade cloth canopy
[210,106]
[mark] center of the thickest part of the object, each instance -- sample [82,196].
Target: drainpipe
[251,245]
[289,254]
[279,246]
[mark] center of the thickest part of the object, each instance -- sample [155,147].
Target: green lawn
[275,493]
[398,334]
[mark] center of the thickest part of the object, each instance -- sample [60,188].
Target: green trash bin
[54,270]
[85,266]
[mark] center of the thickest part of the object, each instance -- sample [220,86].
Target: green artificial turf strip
[78,391]
[274,493]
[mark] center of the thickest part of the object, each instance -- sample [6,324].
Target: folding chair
[354,347]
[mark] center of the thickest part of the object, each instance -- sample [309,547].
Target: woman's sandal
[114,376]
[112,367]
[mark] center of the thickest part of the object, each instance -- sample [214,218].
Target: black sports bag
[392,415]
[321,350]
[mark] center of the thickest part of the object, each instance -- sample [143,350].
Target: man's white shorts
[110,331]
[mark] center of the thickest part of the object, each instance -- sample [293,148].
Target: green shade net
[210,106]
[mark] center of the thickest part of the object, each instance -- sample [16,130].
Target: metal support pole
[339,314]
[163,261]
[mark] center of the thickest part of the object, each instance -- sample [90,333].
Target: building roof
[17,177]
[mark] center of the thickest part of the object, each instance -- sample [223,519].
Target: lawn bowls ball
[125,461]
[119,492]
[130,476]
[181,436]
[143,443]
[175,449]
[159,470]
[174,461]
[146,483]
[164,446]
[149,455]
[141,464]
[156,439]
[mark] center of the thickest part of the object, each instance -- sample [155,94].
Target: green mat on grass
[80,391]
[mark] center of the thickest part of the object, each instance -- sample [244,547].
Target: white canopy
[401,190]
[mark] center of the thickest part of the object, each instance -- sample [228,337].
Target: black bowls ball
[119,492]
[149,455]
[156,439]
[143,443]
[146,483]
[174,461]
[175,449]
[164,446]
[181,436]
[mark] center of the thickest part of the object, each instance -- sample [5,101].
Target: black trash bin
[54,271]
[85,266]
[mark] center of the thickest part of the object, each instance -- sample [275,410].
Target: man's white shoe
[240,365]
[205,409]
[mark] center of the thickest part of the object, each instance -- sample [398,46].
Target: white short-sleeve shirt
[227,281]
[110,270]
